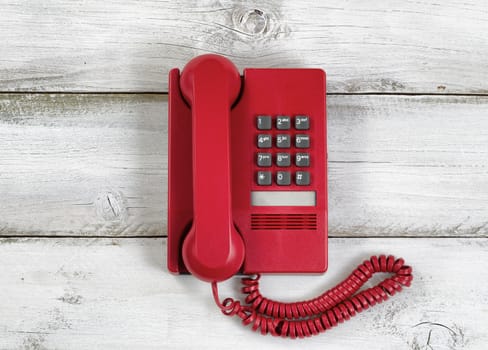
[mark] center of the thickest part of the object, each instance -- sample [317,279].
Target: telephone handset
[212,250]
[247,192]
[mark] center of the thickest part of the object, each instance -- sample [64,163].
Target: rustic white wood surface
[114,293]
[401,163]
[97,165]
[392,46]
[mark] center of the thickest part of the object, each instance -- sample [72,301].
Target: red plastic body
[212,172]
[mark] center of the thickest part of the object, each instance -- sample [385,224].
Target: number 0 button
[283,178]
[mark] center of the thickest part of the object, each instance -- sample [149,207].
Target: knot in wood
[251,21]
[110,205]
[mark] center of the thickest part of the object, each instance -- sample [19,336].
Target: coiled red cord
[311,317]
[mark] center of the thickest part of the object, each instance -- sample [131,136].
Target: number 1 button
[263,122]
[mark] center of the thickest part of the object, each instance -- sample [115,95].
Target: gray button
[283,178]
[264,159]
[264,178]
[264,141]
[302,122]
[263,122]
[302,159]
[283,141]
[283,159]
[302,178]
[283,122]
[302,141]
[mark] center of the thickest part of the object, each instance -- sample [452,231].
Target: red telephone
[263,209]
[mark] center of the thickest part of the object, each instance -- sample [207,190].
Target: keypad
[283,150]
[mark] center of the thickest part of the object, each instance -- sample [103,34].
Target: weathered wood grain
[394,46]
[83,165]
[117,294]
[96,165]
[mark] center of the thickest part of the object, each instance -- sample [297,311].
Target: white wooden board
[116,293]
[97,165]
[391,46]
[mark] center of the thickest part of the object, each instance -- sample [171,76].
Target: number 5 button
[283,141]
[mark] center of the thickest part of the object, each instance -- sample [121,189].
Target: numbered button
[283,178]
[283,122]
[263,122]
[264,141]
[264,159]
[302,141]
[283,141]
[283,159]
[302,178]
[302,122]
[264,178]
[302,159]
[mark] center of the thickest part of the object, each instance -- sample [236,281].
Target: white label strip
[283,198]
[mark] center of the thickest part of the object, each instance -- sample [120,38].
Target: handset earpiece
[213,250]
[221,73]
